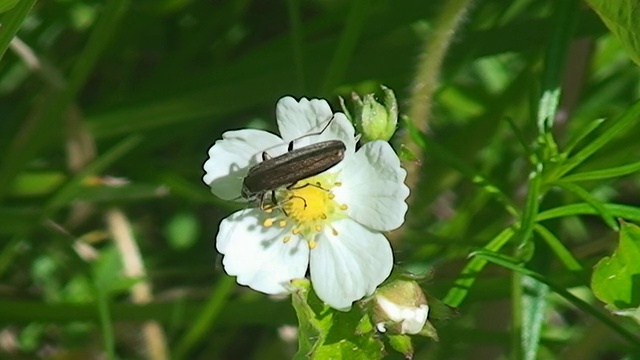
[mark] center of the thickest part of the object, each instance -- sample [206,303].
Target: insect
[264,178]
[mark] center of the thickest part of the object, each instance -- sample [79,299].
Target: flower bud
[376,121]
[400,307]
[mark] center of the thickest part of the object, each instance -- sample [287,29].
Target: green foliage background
[529,161]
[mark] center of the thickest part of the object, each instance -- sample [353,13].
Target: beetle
[264,178]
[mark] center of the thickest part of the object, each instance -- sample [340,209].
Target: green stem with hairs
[425,83]
[431,58]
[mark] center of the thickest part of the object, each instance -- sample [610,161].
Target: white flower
[333,226]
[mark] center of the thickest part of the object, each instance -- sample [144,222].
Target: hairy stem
[426,79]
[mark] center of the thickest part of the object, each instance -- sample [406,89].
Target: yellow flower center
[307,207]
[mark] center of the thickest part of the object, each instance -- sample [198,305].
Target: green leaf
[446,156]
[36,183]
[6,5]
[206,318]
[604,174]
[621,17]
[358,14]
[534,306]
[582,133]
[619,126]
[325,333]
[564,255]
[405,154]
[106,193]
[532,205]
[591,200]
[402,344]
[11,21]
[37,131]
[509,263]
[71,188]
[632,313]
[468,276]
[615,279]
[566,18]
[312,329]
[618,210]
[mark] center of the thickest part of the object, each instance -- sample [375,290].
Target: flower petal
[257,255]
[340,129]
[297,118]
[373,187]
[346,267]
[311,121]
[412,318]
[230,159]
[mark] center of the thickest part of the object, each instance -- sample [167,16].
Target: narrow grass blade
[591,200]
[11,22]
[604,174]
[617,210]
[619,126]
[205,320]
[509,263]
[463,283]
[562,253]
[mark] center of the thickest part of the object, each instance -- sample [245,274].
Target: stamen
[343,207]
[308,207]
[337,183]
[286,239]
[268,222]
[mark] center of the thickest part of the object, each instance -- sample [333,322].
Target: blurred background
[108,108]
